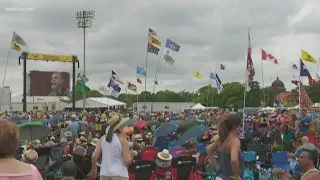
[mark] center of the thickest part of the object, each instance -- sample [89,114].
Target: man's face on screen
[56,81]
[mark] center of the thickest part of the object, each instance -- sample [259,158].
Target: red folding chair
[142,170]
[184,168]
[149,153]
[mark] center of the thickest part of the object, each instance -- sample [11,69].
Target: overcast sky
[209,31]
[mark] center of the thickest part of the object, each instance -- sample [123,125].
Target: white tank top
[112,161]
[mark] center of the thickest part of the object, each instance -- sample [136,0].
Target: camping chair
[83,166]
[251,170]
[142,170]
[264,153]
[43,160]
[149,153]
[280,160]
[184,168]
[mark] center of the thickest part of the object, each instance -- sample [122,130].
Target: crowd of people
[103,145]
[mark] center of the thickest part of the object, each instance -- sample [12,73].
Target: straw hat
[82,133]
[149,135]
[30,156]
[164,155]
[52,138]
[68,133]
[82,141]
[95,141]
[36,143]
[116,122]
[138,137]
[273,114]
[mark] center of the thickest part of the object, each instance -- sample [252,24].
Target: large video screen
[43,83]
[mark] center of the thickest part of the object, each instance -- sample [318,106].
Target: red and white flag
[250,68]
[268,57]
[305,101]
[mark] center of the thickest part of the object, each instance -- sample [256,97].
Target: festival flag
[222,67]
[268,57]
[115,77]
[295,82]
[304,72]
[305,101]
[114,88]
[294,66]
[82,78]
[139,81]
[131,87]
[250,67]
[152,32]
[16,41]
[156,82]
[197,74]
[153,49]
[168,60]
[82,88]
[154,41]
[172,45]
[307,57]
[141,71]
[215,79]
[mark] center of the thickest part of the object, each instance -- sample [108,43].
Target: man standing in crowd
[74,127]
[305,120]
[57,85]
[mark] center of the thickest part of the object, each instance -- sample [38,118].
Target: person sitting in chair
[163,165]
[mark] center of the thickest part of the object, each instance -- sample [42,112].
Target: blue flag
[172,45]
[216,80]
[141,71]
[303,69]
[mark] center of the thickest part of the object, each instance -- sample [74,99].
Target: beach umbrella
[192,134]
[165,129]
[33,130]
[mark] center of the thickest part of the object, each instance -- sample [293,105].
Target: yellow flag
[307,57]
[15,46]
[197,74]
[153,40]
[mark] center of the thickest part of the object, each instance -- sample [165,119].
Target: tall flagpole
[137,100]
[156,76]
[246,82]
[264,96]
[4,78]
[208,87]
[299,83]
[145,80]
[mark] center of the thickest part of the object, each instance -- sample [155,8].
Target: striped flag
[152,32]
[305,101]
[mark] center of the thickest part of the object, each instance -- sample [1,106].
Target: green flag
[82,88]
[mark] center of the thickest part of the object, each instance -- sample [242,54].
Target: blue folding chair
[250,156]
[280,160]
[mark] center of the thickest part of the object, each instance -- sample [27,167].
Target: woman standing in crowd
[114,148]
[9,166]
[227,147]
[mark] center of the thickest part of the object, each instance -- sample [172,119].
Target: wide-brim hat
[138,137]
[273,114]
[68,133]
[115,122]
[82,141]
[95,142]
[164,155]
[30,156]
[149,135]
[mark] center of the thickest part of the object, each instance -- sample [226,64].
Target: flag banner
[18,39]
[114,88]
[305,101]
[197,74]
[15,46]
[250,68]
[294,66]
[153,49]
[153,40]
[131,87]
[156,82]
[115,77]
[222,67]
[172,45]
[139,81]
[82,88]
[82,78]
[303,69]
[268,57]
[216,81]
[307,57]
[152,32]
[168,60]
[98,127]
[141,71]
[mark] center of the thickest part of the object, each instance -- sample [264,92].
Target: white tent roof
[97,102]
[198,106]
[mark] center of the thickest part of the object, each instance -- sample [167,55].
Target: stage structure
[47,57]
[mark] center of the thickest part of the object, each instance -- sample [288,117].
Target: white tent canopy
[198,106]
[97,102]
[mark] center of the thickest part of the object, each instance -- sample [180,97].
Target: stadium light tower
[84,19]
